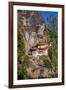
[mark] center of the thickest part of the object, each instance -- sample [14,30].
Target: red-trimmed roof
[42,44]
[34,49]
[40,48]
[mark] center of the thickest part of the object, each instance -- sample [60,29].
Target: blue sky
[46,14]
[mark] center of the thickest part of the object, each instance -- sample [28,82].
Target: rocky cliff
[31,32]
[31,25]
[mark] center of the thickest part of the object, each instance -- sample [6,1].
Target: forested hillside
[33,30]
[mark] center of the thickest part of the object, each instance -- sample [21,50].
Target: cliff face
[31,33]
[31,26]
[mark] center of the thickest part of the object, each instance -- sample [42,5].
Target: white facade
[42,46]
[38,53]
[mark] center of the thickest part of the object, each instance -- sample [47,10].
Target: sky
[46,14]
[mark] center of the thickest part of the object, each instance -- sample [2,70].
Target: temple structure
[39,50]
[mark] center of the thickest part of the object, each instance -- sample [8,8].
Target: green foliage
[52,37]
[42,58]
[23,61]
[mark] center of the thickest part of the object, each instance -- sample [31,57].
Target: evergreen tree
[22,58]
